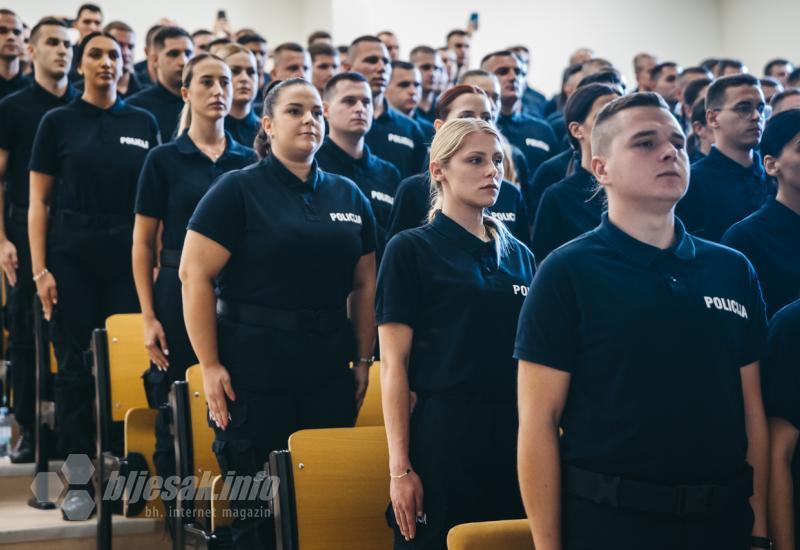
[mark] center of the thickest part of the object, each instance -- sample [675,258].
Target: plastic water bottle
[5,432]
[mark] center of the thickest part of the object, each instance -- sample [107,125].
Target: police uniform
[721,193]
[770,238]
[533,136]
[95,156]
[396,138]
[412,202]
[462,303]
[425,125]
[376,178]
[567,210]
[174,178]
[533,102]
[140,69]
[551,172]
[654,447]
[283,332]
[781,380]
[162,104]
[20,114]
[429,115]
[243,130]
[15,83]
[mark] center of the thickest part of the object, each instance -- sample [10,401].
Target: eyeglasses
[746,110]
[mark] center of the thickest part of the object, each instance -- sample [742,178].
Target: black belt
[171,258]
[320,321]
[18,214]
[674,500]
[75,219]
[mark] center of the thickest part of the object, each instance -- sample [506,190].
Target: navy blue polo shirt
[558,123]
[533,102]
[567,210]
[134,86]
[164,105]
[140,69]
[429,115]
[174,178]
[549,173]
[462,302]
[15,83]
[20,115]
[243,130]
[654,341]
[425,125]
[721,193]
[533,136]
[412,202]
[376,178]
[770,238]
[396,138]
[95,155]
[294,244]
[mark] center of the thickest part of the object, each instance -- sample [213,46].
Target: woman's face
[245,77]
[787,165]
[297,127]
[473,175]
[101,63]
[471,106]
[209,93]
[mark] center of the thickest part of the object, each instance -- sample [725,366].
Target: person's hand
[361,372]
[217,385]
[156,343]
[9,261]
[48,295]
[406,494]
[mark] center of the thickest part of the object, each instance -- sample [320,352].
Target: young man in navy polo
[11,44]
[729,183]
[431,69]
[173,48]
[404,93]
[642,342]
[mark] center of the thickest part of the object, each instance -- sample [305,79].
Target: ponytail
[186,118]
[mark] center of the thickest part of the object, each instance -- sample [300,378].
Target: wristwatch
[761,542]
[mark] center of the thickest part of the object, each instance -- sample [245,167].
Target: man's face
[171,60]
[431,70]
[769,92]
[740,120]
[349,108]
[643,74]
[201,42]
[323,69]
[790,102]
[491,86]
[643,157]
[460,46]
[11,37]
[259,50]
[372,61]
[127,45]
[392,45]
[509,73]
[405,90]
[289,64]
[52,52]
[88,22]
[780,72]
[666,84]
[450,68]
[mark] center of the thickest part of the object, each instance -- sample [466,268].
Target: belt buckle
[309,320]
[694,500]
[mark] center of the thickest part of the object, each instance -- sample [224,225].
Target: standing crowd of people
[586,307]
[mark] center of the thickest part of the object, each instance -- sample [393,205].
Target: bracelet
[401,476]
[366,360]
[41,274]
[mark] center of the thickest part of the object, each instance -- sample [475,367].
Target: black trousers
[304,382]
[19,311]
[587,525]
[92,269]
[463,447]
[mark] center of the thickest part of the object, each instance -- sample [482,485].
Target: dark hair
[387,33]
[271,95]
[773,62]
[316,35]
[445,101]
[769,81]
[779,97]
[710,63]
[351,51]
[289,47]
[455,32]
[794,78]
[474,72]
[579,105]
[716,92]
[251,37]
[88,7]
[697,70]
[779,131]
[201,32]
[693,89]
[46,22]
[729,63]
[604,76]
[118,26]
[349,76]
[561,98]
[151,34]
[88,38]
[220,40]
[165,33]
[638,99]
[4,11]
[656,71]
[498,53]
[698,112]
[422,49]
[321,49]
[519,47]
[342,49]
[405,65]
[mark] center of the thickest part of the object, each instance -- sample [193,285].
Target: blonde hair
[447,141]
[227,50]
[186,80]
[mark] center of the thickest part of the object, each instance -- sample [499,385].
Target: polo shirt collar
[186,146]
[460,236]
[781,213]
[387,111]
[163,93]
[344,157]
[643,254]
[88,108]
[43,94]
[285,176]
[756,170]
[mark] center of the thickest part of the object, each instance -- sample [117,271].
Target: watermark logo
[77,470]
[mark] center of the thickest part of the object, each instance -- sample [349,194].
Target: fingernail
[166,352]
